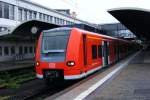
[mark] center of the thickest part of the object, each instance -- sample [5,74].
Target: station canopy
[29,30]
[137,20]
[32,27]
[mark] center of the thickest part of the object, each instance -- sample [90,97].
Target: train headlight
[37,63]
[70,63]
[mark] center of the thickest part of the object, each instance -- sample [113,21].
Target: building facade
[15,12]
[117,30]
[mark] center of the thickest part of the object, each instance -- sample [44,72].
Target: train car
[72,53]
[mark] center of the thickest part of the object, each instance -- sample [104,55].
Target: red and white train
[72,53]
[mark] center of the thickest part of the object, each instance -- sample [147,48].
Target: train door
[117,50]
[105,53]
[84,50]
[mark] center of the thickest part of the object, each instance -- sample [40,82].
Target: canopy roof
[137,20]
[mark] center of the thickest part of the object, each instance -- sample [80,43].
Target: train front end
[53,60]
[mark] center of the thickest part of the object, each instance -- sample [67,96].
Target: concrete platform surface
[133,83]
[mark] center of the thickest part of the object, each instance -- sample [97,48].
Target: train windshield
[54,44]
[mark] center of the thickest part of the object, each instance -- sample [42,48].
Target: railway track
[38,90]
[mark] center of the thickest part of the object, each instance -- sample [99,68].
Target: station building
[15,12]
[117,30]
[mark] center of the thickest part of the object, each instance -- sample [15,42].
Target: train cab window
[12,50]
[99,51]
[6,50]
[94,52]
[54,45]
[0,51]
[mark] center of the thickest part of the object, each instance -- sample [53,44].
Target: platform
[133,83]
[11,65]
[130,82]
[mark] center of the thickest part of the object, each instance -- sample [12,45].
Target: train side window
[94,52]
[107,49]
[0,51]
[99,51]
[6,50]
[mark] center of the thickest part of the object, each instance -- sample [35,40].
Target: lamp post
[74,15]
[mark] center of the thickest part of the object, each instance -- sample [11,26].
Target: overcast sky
[94,11]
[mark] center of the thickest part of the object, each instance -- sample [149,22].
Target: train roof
[109,37]
[84,31]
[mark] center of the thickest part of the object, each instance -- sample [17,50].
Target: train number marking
[51,65]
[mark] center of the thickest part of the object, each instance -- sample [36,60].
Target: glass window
[0,51]
[34,15]
[25,50]
[11,13]
[94,52]
[51,18]
[20,50]
[1,9]
[25,15]
[99,51]
[30,14]
[40,16]
[43,17]
[12,50]
[54,44]
[55,20]
[6,10]
[6,50]
[20,14]
[31,49]
[47,18]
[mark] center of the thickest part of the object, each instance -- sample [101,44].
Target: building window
[94,52]
[25,50]
[40,16]
[20,50]
[12,50]
[1,11]
[51,19]
[25,15]
[63,22]
[99,51]
[20,14]
[55,20]
[47,18]
[31,49]
[6,10]
[11,13]
[6,51]
[43,17]
[30,14]
[34,15]
[0,51]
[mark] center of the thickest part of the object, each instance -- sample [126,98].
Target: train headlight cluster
[37,63]
[70,63]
